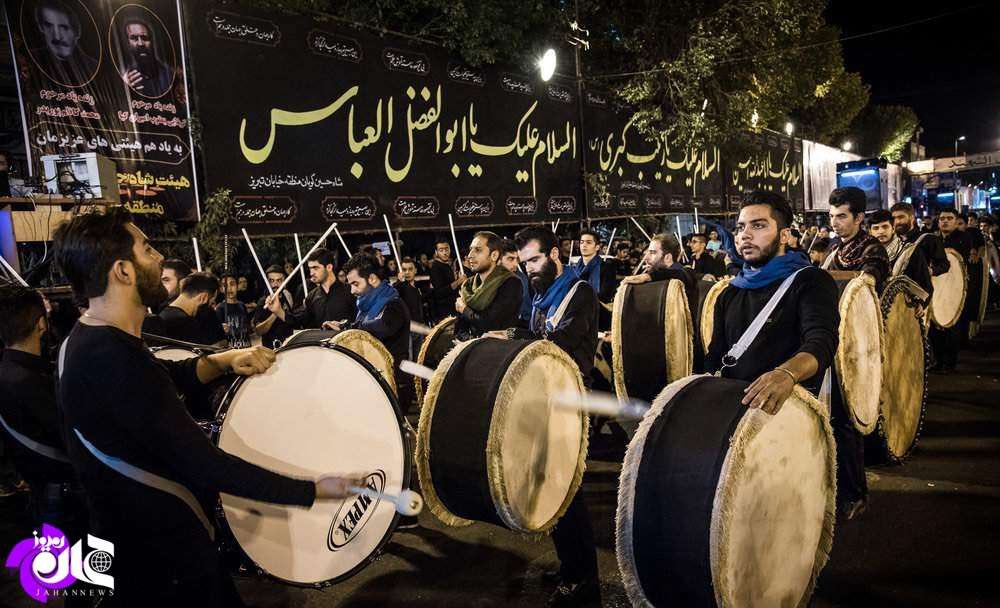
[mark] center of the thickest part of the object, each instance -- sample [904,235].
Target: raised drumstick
[415,369]
[407,503]
[604,404]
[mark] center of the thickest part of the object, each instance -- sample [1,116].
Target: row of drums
[717,503]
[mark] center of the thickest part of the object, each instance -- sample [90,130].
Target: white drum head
[949,292]
[859,355]
[174,353]
[317,410]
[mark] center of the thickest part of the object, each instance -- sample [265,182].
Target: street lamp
[846,146]
[547,65]
[958,139]
[789,128]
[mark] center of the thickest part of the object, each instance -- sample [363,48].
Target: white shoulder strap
[741,346]
[829,259]
[554,321]
[36,447]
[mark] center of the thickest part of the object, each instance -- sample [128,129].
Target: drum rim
[439,327]
[424,428]
[617,348]
[707,315]
[953,256]
[866,283]
[894,287]
[984,292]
[745,432]
[375,343]
[223,523]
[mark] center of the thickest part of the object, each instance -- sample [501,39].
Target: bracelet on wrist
[790,374]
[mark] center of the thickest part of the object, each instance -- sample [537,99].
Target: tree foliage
[885,130]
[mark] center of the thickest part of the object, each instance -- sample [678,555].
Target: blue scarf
[590,272]
[545,304]
[371,304]
[777,269]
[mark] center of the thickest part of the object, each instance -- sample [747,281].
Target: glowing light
[547,65]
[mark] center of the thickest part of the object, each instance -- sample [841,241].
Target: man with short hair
[510,260]
[702,260]
[601,275]
[947,342]
[61,59]
[173,271]
[491,298]
[233,314]
[881,225]
[29,416]
[143,72]
[179,319]
[151,474]
[575,332]
[444,280]
[408,290]
[274,331]
[931,246]
[330,301]
[854,250]
[818,250]
[565,249]
[798,343]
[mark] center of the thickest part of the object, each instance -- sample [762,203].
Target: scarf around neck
[590,272]
[545,304]
[479,293]
[894,248]
[371,304]
[850,255]
[777,269]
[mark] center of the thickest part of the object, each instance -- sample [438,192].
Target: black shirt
[806,321]
[125,403]
[320,305]
[500,314]
[173,322]
[960,241]
[29,407]
[413,299]
[280,330]
[392,328]
[709,264]
[576,332]
[442,296]
[933,250]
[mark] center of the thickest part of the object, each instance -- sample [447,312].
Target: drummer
[947,342]
[880,224]
[905,223]
[151,474]
[854,250]
[798,343]
[593,269]
[381,312]
[29,415]
[180,319]
[572,328]
[267,325]
[329,301]
[491,298]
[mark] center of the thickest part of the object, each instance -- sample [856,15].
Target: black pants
[947,342]
[573,537]
[851,482]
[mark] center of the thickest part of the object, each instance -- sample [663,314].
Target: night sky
[948,69]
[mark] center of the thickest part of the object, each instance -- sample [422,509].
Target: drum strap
[741,346]
[151,480]
[564,305]
[829,260]
[139,475]
[36,447]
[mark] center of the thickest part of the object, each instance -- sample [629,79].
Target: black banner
[108,77]
[310,122]
[769,162]
[631,175]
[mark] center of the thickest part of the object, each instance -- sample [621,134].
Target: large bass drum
[979,291]
[318,409]
[721,505]
[652,338]
[354,340]
[707,312]
[904,388]
[491,445]
[858,360]
[950,288]
[436,345]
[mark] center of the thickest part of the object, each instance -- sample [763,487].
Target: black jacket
[392,328]
[807,320]
[500,314]
[336,305]
[576,332]
[442,296]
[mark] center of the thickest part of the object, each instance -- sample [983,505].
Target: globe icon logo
[100,561]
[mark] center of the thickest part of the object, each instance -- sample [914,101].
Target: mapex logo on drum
[354,514]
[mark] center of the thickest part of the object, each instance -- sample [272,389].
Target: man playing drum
[930,246]
[565,312]
[490,299]
[151,474]
[947,342]
[797,343]
[329,301]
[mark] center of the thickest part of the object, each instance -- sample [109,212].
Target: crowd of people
[113,397]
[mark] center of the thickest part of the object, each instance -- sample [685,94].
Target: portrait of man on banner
[62,40]
[143,51]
